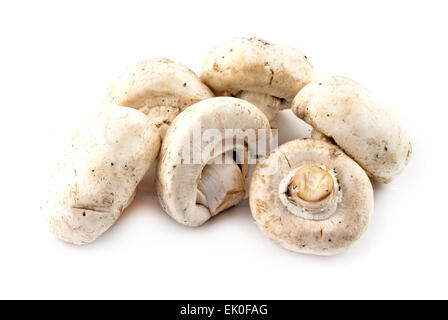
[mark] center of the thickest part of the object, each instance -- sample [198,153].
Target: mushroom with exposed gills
[310,197]
[190,191]
[344,112]
[160,88]
[265,74]
[98,176]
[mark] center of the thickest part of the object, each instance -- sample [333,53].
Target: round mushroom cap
[182,160]
[160,88]
[256,65]
[99,174]
[309,197]
[360,124]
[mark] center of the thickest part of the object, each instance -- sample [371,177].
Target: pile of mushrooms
[310,195]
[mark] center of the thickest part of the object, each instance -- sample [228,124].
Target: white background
[58,57]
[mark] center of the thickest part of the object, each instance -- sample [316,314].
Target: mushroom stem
[311,192]
[221,186]
[268,104]
[311,184]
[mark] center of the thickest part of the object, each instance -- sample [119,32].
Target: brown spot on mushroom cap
[157,83]
[256,66]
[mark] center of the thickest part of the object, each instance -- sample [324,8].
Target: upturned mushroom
[98,176]
[265,74]
[160,88]
[191,184]
[344,112]
[309,197]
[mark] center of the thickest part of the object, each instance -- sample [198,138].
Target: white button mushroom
[308,196]
[193,191]
[360,124]
[160,88]
[268,75]
[98,177]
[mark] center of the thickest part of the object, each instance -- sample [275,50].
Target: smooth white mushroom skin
[309,197]
[191,193]
[349,115]
[265,74]
[160,88]
[98,176]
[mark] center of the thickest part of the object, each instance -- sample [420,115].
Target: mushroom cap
[322,236]
[360,124]
[98,176]
[177,176]
[162,83]
[258,66]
